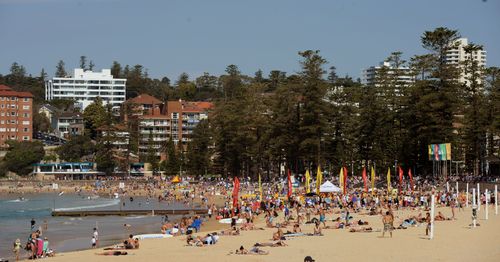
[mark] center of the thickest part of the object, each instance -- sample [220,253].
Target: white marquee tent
[328,187]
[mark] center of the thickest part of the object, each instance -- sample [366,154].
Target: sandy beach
[454,241]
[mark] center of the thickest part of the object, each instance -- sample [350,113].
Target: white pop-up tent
[328,187]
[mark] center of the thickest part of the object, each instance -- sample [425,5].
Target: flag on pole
[319,179]
[236,189]
[308,178]
[341,179]
[388,179]
[411,179]
[289,194]
[345,179]
[400,178]
[260,188]
[373,180]
[364,179]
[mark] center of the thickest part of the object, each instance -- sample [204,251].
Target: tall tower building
[457,56]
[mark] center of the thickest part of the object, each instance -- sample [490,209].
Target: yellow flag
[373,181]
[341,179]
[388,179]
[319,179]
[260,188]
[308,178]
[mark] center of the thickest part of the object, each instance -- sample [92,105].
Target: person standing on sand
[33,222]
[388,221]
[452,205]
[96,238]
[17,248]
[428,221]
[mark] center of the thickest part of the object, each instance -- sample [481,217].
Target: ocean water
[73,233]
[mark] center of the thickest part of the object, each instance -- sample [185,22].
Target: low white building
[404,76]
[85,86]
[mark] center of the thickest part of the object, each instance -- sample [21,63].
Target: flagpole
[486,204]
[432,217]
[467,196]
[496,199]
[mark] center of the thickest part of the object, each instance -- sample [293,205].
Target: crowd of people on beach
[287,215]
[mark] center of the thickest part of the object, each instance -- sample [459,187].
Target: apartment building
[371,74]
[457,56]
[85,86]
[158,122]
[154,129]
[184,117]
[66,124]
[16,115]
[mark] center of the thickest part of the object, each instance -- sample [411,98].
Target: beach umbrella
[176,179]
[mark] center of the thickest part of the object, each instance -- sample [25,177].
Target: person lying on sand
[441,217]
[233,232]
[279,243]
[362,229]
[253,251]
[112,253]
[361,222]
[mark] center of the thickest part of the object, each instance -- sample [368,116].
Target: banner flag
[364,179]
[373,180]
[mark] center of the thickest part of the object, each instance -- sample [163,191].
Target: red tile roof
[7,91]
[144,99]
[4,88]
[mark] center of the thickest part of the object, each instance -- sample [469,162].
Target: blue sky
[170,37]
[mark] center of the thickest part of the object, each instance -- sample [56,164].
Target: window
[2,122]
[25,129]
[26,107]
[2,129]
[26,115]
[13,121]
[12,113]
[25,122]
[26,99]
[3,106]
[26,138]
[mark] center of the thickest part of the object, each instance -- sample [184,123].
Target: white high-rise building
[404,74]
[85,86]
[457,56]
